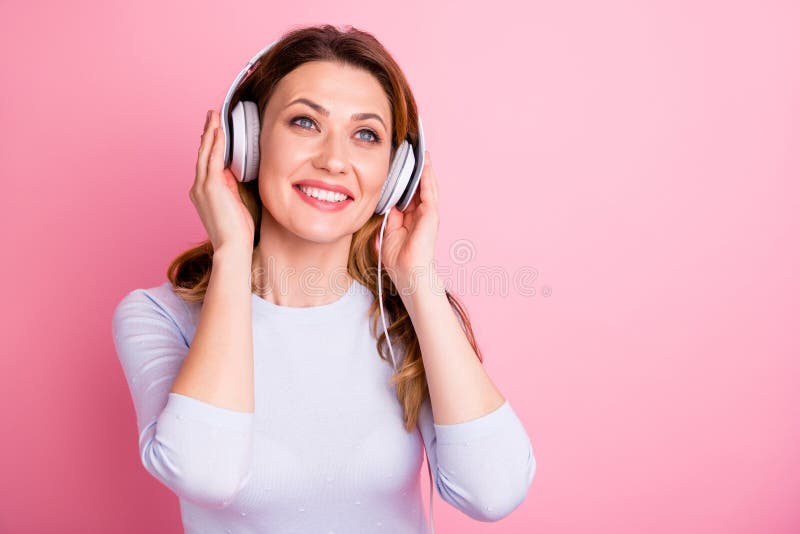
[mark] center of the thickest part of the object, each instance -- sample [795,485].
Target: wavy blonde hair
[190,272]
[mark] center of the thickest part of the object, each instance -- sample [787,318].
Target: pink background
[643,159]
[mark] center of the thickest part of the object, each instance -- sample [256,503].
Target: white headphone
[242,155]
[242,148]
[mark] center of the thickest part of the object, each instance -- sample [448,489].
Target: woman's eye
[296,119]
[374,139]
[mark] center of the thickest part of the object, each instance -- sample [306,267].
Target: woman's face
[330,123]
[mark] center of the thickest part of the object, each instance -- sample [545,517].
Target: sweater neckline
[333,309]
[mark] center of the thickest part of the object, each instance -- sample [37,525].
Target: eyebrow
[319,109]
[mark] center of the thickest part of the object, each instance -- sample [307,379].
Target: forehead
[343,89]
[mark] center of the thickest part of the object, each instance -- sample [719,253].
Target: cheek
[376,175]
[272,191]
[275,153]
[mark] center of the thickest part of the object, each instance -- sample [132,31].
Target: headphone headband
[226,104]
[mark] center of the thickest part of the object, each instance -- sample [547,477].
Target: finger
[215,165]
[206,140]
[426,191]
[434,182]
[414,202]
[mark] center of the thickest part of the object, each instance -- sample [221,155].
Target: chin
[321,232]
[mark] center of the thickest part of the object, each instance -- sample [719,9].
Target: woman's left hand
[409,239]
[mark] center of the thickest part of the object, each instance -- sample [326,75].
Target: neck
[289,270]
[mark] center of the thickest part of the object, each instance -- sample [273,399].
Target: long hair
[190,272]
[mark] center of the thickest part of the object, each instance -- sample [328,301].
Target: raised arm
[219,366]
[194,398]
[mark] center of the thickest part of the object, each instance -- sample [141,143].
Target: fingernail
[208,116]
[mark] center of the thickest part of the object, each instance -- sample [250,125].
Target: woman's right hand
[215,193]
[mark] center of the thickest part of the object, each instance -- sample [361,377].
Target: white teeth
[321,194]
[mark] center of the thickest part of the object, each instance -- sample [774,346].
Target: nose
[333,154]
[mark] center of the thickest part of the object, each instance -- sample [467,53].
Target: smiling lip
[327,187]
[321,204]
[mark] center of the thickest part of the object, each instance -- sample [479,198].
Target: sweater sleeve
[483,466]
[201,451]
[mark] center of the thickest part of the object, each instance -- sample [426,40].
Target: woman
[263,399]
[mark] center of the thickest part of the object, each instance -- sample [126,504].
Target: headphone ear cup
[418,164]
[245,154]
[399,174]
[253,125]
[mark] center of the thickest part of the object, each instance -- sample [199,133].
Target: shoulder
[157,305]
